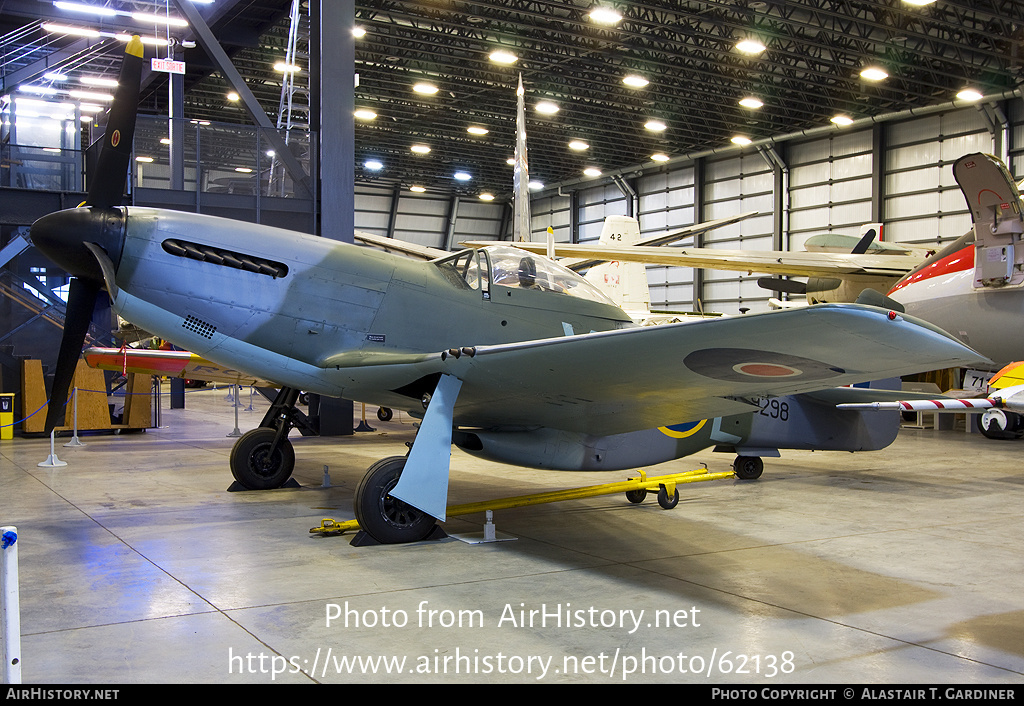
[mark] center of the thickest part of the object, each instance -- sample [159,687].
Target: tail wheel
[748,467]
[385,518]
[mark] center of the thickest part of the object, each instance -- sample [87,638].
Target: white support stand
[487,536]
[74,437]
[236,431]
[51,461]
[10,612]
[327,479]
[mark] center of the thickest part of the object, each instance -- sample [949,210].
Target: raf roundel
[115,138]
[766,370]
[751,365]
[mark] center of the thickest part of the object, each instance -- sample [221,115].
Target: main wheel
[748,467]
[1000,425]
[385,518]
[385,414]
[255,466]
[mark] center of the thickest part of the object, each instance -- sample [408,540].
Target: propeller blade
[107,185]
[81,299]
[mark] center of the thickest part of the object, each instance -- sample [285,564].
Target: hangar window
[225,258]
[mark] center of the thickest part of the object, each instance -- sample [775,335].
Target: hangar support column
[332,101]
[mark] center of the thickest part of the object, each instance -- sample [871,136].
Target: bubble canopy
[507,266]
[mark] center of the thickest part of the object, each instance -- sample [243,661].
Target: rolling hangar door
[922,204]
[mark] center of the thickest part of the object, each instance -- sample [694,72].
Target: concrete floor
[900,566]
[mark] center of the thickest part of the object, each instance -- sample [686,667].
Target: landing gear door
[996,208]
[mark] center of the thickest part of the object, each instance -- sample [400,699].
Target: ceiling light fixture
[152,41]
[969,94]
[741,140]
[417,189]
[547,108]
[157,19]
[374,165]
[536,186]
[420,149]
[634,81]
[578,145]
[751,102]
[67,29]
[364,114]
[750,46]
[592,172]
[874,73]
[486,197]
[477,130]
[232,96]
[285,67]
[659,157]
[501,56]
[426,89]
[842,120]
[88,9]
[462,176]
[654,125]
[90,96]
[604,15]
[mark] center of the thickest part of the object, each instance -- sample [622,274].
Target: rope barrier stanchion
[237,390]
[10,610]
[74,437]
[51,461]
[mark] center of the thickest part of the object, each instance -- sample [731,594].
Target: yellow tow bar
[636,490]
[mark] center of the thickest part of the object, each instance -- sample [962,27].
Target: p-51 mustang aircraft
[507,355]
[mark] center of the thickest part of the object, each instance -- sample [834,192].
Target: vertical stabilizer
[625,283]
[520,174]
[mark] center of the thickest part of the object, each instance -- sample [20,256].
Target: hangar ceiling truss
[686,49]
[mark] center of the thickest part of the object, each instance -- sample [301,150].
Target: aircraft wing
[807,264]
[693,230]
[174,364]
[412,249]
[644,377]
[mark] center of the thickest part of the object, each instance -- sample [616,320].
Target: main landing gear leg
[400,499]
[263,458]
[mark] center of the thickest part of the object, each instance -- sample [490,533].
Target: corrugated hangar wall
[896,172]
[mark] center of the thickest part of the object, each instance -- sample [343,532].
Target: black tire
[253,466]
[636,496]
[748,467]
[666,502]
[385,414]
[1009,426]
[388,519]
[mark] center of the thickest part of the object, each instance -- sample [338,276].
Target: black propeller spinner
[63,236]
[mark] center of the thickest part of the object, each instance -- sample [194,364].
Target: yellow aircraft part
[653,483]
[1012,374]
